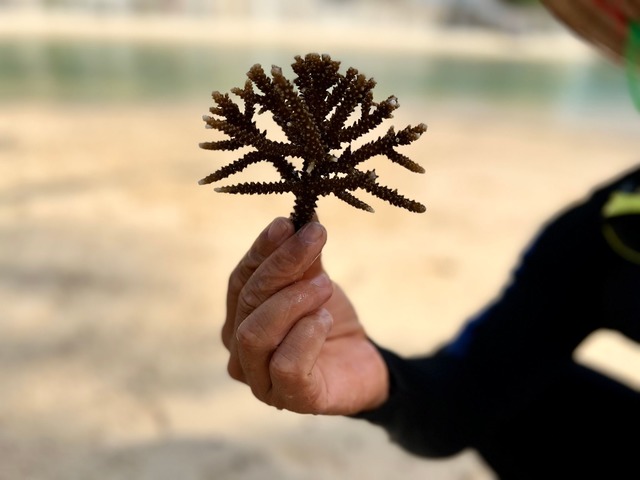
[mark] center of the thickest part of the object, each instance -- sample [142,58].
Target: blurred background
[114,262]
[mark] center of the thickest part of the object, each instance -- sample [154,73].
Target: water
[112,72]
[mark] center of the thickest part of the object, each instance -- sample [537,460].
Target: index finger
[286,265]
[266,243]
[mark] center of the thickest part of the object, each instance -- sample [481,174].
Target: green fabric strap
[622,203]
[619,246]
[632,57]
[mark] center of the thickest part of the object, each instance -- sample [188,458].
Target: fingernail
[321,280]
[277,230]
[311,232]
[325,317]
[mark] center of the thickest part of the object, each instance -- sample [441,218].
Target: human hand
[293,335]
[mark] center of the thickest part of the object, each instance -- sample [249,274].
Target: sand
[113,269]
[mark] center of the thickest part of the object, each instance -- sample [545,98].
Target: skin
[293,335]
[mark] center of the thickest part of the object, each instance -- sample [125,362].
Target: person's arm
[295,339]
[511,353]
[298,343]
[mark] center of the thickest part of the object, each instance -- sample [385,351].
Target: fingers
[286,265]
[278,282]
[296,384]
[284,324]
[270,239]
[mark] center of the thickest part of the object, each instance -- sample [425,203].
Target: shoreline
[324,34]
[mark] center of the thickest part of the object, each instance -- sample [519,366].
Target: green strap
[619,246]
[622,203]
[632,56]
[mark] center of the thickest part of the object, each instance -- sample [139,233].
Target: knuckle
[256,292]
[258,289]
[250,335]
[225,335]
[260,393]
[249,299]
[281,403]
[282,269]
[244,270]
[285,368]
[252,259]
[235,370]
[235,283]
[286,262]
[253,294]
[301,397]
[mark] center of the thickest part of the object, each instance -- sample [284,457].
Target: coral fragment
[312,112]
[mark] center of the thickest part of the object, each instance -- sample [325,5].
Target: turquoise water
[112,72]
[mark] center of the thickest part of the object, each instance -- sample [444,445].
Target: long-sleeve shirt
[507,383]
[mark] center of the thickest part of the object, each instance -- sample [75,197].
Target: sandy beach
[114,263]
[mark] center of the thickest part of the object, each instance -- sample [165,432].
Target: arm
[297,341]
[515,351]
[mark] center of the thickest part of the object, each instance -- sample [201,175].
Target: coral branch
[313,112]
[353,201]
[286,170]
[255,188]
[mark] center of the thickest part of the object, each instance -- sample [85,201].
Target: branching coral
[321,114]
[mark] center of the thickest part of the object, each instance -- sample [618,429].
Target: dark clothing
[508,387]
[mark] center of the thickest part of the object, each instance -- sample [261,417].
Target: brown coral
[313,112]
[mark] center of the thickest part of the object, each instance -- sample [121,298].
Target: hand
[293,335]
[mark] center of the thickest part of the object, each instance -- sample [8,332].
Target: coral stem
[304,209]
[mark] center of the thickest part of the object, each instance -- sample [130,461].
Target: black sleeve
[422,413]
[507,355]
